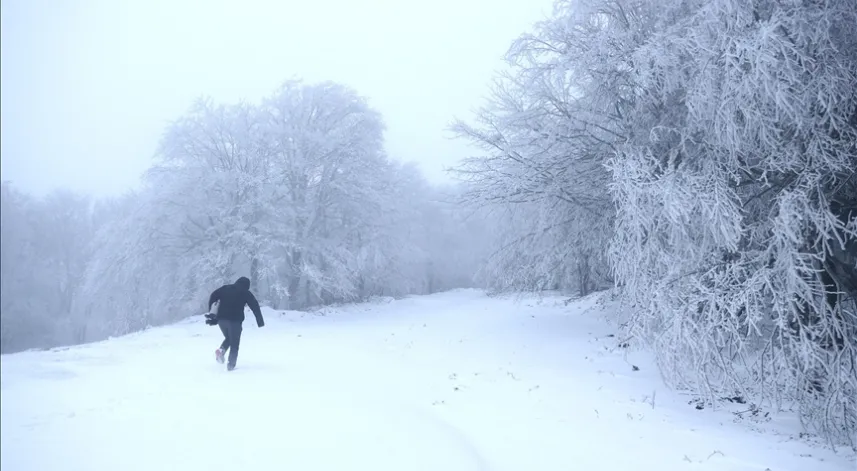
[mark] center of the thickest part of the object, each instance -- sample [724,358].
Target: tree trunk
[294,279]
[254,274]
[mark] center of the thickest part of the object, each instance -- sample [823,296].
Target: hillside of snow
[453,381]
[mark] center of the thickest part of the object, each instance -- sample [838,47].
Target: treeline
[295,192]
[700,156]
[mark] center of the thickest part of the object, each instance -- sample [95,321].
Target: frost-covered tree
[726,131]
[22,320]
[295,192]
[327,145]
[736,237]
[45,249]
[546,133]
[245,188]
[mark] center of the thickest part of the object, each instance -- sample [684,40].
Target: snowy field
[454,381]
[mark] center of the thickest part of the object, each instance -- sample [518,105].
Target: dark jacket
[233,298]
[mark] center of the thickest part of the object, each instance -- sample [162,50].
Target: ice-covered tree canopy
[725,134]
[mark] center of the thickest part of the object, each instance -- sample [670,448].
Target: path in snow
[454,381]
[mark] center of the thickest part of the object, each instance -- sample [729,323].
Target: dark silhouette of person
[231,300]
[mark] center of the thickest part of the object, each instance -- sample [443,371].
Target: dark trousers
[231,338]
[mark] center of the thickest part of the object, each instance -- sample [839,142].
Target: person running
[231,300]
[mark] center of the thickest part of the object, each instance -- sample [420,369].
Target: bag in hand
[211,317]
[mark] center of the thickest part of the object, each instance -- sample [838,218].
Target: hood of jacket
[243,283]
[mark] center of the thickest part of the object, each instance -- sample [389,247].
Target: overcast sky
[89,85]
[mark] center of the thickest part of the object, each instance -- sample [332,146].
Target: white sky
[89,85]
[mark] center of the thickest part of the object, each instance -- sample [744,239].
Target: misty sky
[89,85]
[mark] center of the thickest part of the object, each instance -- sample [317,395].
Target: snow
[453,381]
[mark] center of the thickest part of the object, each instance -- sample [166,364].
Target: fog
[696,160]
[88,86]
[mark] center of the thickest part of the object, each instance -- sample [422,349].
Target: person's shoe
[230,367]
[218,355]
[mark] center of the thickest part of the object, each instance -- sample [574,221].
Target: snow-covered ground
[454,381]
